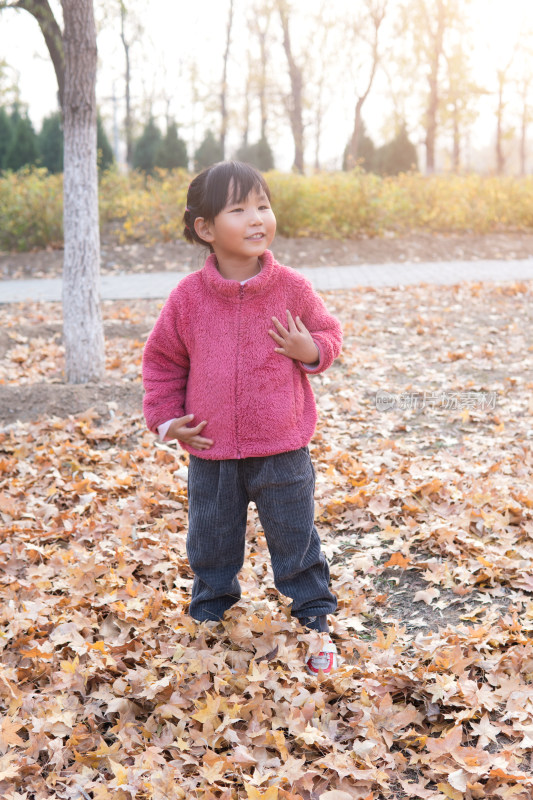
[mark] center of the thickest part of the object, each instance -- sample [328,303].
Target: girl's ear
[203,229]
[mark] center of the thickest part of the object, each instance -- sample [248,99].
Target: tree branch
[40,9]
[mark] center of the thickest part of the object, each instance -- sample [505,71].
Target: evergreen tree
[398,155]
[265,157]
[104,149]
[22,147]
[209,152]
[146,147]
[172,152]
[258,154]
[50,142]
[5,133]
[365,152]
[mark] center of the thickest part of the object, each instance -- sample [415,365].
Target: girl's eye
[235,209]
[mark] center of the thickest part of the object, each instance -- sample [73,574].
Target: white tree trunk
[82,319]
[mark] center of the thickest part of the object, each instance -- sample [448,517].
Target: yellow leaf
[254,794]
[209,711]
[384,642]
[213,772]
[120,773]
[449,792]
[102,793]
[99,645]
[181,743]
[278,740]
[70,666]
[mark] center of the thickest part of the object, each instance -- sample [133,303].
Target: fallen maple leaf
[447,743]
[254,794]
[397,560]
[485,730]
[427,595]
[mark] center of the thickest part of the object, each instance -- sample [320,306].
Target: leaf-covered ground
[425,507]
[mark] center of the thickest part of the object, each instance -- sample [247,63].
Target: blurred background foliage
[149,207]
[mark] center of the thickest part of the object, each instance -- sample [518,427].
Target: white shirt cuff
[162,429]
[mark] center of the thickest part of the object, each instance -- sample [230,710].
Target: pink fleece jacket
[210,354]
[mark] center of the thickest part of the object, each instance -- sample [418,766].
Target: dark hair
[209,192]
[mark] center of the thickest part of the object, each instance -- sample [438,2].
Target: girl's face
[242,232]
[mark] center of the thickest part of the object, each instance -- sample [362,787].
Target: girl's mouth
[256,236]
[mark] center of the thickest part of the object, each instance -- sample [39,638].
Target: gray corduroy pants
[282,488]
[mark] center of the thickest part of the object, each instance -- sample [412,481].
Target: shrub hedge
[335,205]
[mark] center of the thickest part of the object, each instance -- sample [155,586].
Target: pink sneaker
[326,660]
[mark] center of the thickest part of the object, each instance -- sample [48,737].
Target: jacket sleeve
[165,369]
[325,330]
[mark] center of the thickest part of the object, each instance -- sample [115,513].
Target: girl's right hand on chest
[191,436]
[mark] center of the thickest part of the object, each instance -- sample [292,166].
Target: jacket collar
[214,281]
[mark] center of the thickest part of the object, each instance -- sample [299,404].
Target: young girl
[225,373]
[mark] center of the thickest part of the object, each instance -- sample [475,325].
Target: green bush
[31,209]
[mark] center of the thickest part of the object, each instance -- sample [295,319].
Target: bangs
[236,176]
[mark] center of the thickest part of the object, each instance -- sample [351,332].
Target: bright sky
[176,30]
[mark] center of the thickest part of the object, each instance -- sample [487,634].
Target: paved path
[157,285]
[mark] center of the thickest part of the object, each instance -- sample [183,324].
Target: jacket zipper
[241,295]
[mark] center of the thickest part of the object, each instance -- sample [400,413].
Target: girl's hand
[296,342]
[179,430]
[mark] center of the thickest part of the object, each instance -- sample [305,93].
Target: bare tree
[458,108]
[435,30]
[320,71]
[401,74]
[427,31]
[295,99]
[374,14]
[9,84]
[262,33]
[82,321]
[525,84]
[224,85]
[259,23]
[74,57]
[40,9]
[248,89]
[124,14]
[319,109]
[127,85]
[429,23]
[502,76]
[454,101]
